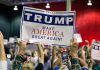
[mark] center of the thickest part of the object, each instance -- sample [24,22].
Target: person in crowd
[47,57]
[69,58]
[86,49]
[40,55]
[44,58]
[34,59]
[32,62]
[28,64]
[57,59]
[3,60]
[19,59]
[76,62]
[65,52]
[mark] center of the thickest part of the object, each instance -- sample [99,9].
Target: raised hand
[1,39]
[2,51]
[22,46]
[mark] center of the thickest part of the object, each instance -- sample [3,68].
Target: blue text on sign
[49,19]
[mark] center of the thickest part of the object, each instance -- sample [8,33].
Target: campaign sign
[47,26]
[95,52]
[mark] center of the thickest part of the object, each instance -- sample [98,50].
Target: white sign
[95,52]
[47,26]
[78,37]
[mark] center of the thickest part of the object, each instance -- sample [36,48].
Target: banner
[47,26]
[95,52]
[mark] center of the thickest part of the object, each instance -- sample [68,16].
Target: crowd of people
[50,57]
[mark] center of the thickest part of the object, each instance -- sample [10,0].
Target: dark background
[10,21]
